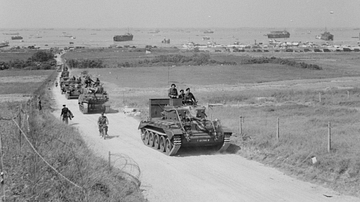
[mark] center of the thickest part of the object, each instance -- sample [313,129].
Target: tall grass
[303,134]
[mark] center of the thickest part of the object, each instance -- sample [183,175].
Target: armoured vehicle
[64,83]
[73,89]
[93,100]
[64,74]
[172,125]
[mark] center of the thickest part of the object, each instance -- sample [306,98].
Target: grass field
[261,94]
[22,82]
[111,57]
[21,55]
[342,63]
[204,75]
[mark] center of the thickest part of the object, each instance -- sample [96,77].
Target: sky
[178,13]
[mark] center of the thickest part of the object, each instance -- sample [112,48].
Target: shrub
[40,60]
[274,60]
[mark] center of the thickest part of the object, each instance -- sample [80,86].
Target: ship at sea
[124,37]
[325,36]
[11,33]
[209,31]
[16,37]
[4,44]
[278,34]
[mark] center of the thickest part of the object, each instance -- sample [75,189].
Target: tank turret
[93,100]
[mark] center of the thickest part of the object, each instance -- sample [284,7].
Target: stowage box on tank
[172,125]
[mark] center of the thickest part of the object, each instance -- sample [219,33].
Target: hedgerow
[40,60]
[274,60]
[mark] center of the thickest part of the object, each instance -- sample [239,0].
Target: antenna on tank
[168,75]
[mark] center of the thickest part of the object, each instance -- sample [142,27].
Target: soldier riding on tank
[189,98]
[173,93]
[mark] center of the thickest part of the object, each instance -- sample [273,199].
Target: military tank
[93,100]
[172,125]
[64,74]
[73,89]
[64,84]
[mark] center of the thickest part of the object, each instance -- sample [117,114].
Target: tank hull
[172,126]
[93,103]
[170,142]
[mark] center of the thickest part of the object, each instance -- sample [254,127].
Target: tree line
[274,60]
[40,60]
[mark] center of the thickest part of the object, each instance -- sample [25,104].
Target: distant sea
[46,38]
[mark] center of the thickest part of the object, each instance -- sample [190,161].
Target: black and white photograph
[179,101]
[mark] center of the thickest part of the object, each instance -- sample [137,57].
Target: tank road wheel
[142,134]
[162,144]
[168,146]
[151,139]
[146,139]
[156,141]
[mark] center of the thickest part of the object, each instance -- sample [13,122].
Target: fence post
[19,122]
[109,161]
[278,129]
[2,182]
[348,94]
[240,125]
[319,97]
[329,137]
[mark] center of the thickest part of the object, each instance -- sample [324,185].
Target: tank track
[226,143]
[159,141]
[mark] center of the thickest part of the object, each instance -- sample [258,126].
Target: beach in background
[46,38]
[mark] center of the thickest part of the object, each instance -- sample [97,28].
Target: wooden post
[2,183]
[348,94]
[329,137]
[240,125]
[319,97]
[109,161]
[241,121]
[278,129]
[20,126]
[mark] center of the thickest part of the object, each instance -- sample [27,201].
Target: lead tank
[93,100]
[172,125]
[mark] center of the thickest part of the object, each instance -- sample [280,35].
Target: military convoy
[91,96]
[172,125]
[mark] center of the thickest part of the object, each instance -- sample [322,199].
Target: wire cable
[42,158]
